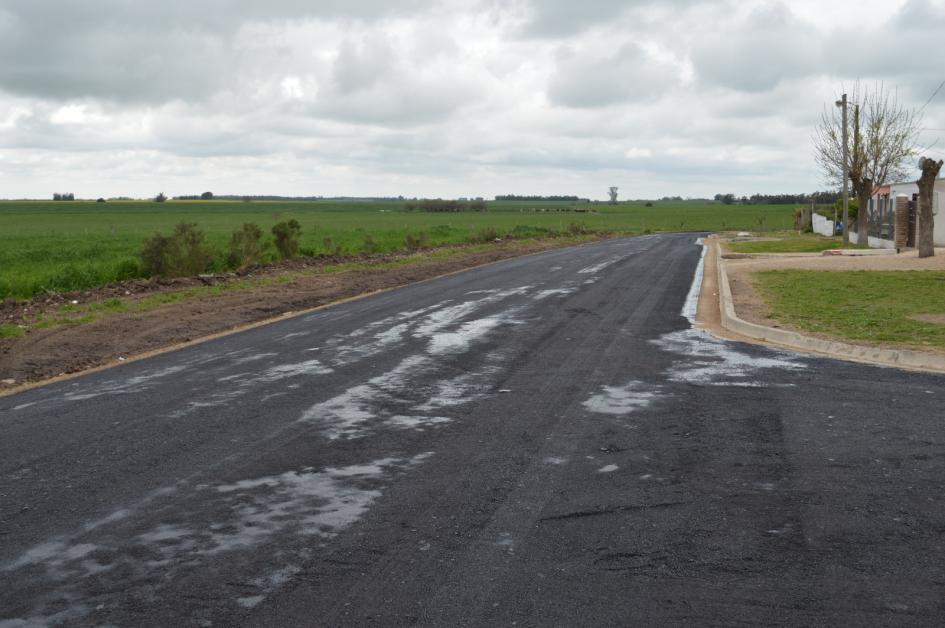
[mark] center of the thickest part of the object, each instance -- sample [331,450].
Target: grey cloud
[756,54]
[561,18]
[589,80]
[144,51]
[360,67]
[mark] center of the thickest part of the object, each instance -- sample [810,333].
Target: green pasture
[792,243]
[61,246]
[871,306]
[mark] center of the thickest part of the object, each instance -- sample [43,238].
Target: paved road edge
[269,321]
[901,358]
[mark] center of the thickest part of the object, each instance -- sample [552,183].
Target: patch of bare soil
[938,319]
[45,353]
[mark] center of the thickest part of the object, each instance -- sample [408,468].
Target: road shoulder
[66,351]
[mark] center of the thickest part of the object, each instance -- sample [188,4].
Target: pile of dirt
[45,353]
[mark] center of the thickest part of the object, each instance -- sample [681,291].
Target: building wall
[821,225]
[938,205]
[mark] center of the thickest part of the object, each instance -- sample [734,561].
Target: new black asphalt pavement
[543,441]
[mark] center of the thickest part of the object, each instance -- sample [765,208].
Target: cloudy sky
[443,98]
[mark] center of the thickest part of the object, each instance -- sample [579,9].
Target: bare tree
[930,169]
[884,136]
[613,194]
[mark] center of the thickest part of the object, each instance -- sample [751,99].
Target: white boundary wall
[821,225]
[874,243]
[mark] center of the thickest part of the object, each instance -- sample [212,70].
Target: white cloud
[441,97]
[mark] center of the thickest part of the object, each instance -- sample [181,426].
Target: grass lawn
[869,306]
[50,246]
[792,243]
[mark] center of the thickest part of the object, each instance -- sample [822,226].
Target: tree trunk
[930,170]
[863,190]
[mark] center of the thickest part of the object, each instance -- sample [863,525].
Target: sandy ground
[751,307]
[47,353]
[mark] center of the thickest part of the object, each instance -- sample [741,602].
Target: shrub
[179,254]
[160,198]
[194,258]
[417,242]
[370,244]
[128,269]
[577,228]
[486,234]
[158,254]
[287,235]
[331,248]
[853,208]
[246,246]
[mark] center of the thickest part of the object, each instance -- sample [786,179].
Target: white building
[882,207]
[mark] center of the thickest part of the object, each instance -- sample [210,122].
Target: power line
[934,94]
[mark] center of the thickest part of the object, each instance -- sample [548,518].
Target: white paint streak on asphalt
[708,360]
[126,386]
[596,268]
[620,400]
[544,294]
[253,512]
[691,305]
[284,371]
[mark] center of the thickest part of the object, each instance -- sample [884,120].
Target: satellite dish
[922,161]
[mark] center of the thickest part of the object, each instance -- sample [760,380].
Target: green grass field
[870,306]
[793,243]
[62,246]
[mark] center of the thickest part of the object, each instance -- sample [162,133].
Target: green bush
[853,208]
[417,242]
[486,234]
[287,235]
[127,269]
[331,248]
[246,246]
[370,245]
[180,254]
[577,228]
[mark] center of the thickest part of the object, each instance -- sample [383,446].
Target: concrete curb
[901,358]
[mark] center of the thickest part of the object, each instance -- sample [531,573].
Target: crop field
[62,246]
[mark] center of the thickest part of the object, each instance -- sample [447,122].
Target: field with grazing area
[63,246]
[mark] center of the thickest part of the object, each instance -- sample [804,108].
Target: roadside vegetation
[48,246]
[890,307]
[78,313]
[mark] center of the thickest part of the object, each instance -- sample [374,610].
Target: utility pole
[842,103]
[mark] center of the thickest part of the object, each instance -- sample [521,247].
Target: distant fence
[822,226]
[874,243]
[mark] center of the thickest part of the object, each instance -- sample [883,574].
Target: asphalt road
[544,441]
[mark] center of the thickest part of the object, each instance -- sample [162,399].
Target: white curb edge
[902,358]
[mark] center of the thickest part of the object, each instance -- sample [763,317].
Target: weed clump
[286,235]
[246,247]
[417,242]
[370,245]
[577,228]
[486,234]
[180,254]
[331,249]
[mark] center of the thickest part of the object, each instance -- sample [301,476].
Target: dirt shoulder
[44,353]
[751,306]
